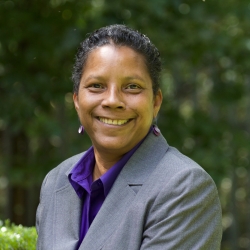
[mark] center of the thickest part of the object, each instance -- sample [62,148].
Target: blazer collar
[67,218]
[135,172]
[67,209]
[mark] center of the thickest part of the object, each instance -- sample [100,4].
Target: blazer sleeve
[186,214]
[40,205]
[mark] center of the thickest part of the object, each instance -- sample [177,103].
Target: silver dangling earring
[81,129]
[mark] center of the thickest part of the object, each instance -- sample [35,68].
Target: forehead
[115,56]
[115,64]
[117,52]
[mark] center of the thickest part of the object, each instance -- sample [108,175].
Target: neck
[103,163]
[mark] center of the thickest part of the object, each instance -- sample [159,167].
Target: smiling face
[115,101]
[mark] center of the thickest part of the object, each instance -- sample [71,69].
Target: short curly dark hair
[120,35]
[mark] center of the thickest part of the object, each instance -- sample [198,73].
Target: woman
[130,190]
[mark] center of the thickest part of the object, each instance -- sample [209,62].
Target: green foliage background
[205,48]
[13,237]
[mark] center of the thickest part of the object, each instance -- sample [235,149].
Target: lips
[113,121]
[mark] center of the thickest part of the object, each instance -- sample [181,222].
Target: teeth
[113,122]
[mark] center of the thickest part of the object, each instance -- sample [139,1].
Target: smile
[112,122]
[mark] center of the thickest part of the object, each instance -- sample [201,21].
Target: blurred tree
[206,86]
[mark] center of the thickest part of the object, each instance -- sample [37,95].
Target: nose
[113,98]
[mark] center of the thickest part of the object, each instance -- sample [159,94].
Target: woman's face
[115,102]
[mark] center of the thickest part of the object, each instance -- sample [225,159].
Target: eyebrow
[134,77]
[94,77]
[128,78]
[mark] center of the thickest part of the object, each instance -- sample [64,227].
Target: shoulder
[66,165]
[179,176]
[58,176]
[177,172]
[174,161]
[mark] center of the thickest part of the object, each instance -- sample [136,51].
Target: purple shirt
[94,193]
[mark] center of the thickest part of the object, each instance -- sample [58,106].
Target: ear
[157,102]
[76,102]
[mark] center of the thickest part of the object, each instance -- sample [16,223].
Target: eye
[133,86]
[96,86]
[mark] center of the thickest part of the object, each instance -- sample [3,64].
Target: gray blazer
[161,200]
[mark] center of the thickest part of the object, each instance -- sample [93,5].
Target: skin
[115,88]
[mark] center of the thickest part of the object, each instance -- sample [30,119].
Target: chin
[114,146]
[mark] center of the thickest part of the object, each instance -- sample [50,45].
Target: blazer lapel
[122,194]
[67,218]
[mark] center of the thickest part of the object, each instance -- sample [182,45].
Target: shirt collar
[80,176]
[110,176]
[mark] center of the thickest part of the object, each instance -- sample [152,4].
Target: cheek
[144,106]
[146,111]
[82,106]
[86,103]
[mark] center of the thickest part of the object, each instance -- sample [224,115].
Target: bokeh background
[205,46]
